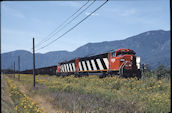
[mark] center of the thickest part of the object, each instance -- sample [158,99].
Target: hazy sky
[116,20]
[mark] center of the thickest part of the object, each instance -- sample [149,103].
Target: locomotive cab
[123,60]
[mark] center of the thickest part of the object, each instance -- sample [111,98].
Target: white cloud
[36,20]
[12,12]
[19,35]
[128,12]
[18,15]
[94,14]
[122,12]
[67,3]
[15,39]
[72,4]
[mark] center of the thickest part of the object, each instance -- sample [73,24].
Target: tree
[146,70]
[169,71]
[161,71]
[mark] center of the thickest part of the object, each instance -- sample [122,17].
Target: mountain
[152,46]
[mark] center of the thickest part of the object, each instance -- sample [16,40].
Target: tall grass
[23,103]
[110,94]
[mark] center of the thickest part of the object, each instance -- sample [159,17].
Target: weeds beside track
[23,103]
[110,94]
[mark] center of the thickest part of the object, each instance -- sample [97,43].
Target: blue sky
[116,20]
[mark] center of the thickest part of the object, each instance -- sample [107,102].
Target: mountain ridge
[153,47]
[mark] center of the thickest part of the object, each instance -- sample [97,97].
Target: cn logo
[112,60]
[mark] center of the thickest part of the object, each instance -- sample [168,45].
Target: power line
[73,26]
[64,22]
[69,22]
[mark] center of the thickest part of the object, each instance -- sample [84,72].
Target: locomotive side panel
[94,63]
[67,67]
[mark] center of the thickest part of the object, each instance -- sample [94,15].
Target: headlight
[122,60]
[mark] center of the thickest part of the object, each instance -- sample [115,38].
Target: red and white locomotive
[121,62]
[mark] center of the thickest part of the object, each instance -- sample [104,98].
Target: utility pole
[11,68]
[14,69]
[0,44]
[33,63]
[18,67]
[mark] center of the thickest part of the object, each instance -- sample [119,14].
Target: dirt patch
[42,101]
[44,104]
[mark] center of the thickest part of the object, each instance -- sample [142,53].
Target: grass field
[89,94]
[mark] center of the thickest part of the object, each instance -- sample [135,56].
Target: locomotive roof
[122,49]
[86,57]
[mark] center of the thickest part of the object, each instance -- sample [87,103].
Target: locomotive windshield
[119,53]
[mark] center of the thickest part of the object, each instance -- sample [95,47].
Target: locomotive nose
[127,58]
[130,61]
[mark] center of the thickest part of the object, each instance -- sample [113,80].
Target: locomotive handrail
[122,66]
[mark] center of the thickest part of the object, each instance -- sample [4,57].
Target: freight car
[121,62]
[51,70]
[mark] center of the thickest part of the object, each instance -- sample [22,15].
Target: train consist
[51,70]
[122,62]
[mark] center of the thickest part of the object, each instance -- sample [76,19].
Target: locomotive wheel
[101,76]
[77,75]
[122,73]
[138,74]
[126,73]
